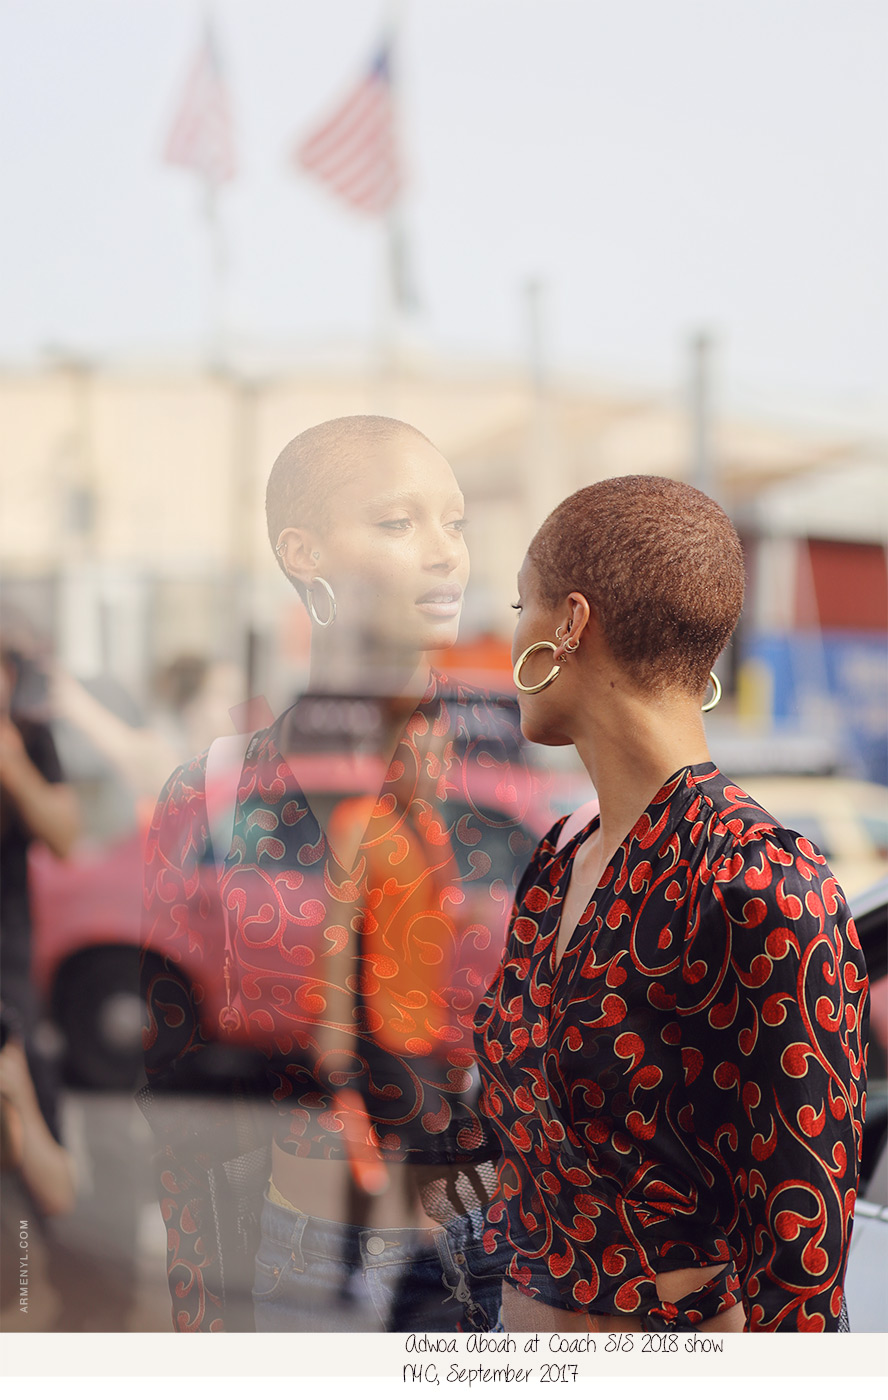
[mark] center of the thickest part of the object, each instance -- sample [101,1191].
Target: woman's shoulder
[763,898]
[734,818]
[186,787]
[186,784]
[750,850]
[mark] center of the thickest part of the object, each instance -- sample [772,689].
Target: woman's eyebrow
[387,499]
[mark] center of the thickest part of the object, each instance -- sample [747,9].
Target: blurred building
[133,527]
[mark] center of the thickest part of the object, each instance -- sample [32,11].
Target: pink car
[87,915]
[85,956]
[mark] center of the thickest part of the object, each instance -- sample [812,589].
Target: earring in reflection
[331,597]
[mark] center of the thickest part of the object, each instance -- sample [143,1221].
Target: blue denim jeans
[416,1280]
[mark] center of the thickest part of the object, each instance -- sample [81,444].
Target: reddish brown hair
[659,562]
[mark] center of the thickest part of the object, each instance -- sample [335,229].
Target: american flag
[202,137]
[356,151]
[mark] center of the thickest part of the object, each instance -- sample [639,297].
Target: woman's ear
[298,550]
[578,618]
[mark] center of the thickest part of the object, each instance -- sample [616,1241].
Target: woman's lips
[443,601]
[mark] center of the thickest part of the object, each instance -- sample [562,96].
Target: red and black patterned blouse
[689,1084]
[359,986]
[356,988]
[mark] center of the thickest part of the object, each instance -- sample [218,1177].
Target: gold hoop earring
[716,693]
[516,672]
[321,621]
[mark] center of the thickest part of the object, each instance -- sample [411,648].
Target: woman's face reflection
[394,551]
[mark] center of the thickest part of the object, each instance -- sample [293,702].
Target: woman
[671,1049]
[357,924]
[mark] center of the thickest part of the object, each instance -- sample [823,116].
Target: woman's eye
[516,606]
[458,525]
[403,524]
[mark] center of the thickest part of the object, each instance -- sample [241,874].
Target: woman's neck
[630,748]
[334,671]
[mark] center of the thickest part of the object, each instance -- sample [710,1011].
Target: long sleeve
[182,952]
[770,997]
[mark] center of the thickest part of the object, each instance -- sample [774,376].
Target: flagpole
[218,286]
[356,152]
[201,140]
[394,267]
[543,487]
[702,464]
[215,236]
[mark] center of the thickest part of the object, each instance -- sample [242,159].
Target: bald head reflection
[320,462]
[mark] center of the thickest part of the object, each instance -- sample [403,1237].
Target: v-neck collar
[272,753]
[657,822]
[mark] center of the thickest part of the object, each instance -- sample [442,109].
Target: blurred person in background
[37,1181]
[31,1142]
[36,802]
[673,1050]
[347,939]
[193,696]
[35,805]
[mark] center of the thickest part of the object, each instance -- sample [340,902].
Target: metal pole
[534,292]
[216,245]
[543,480]
[395,292]
[702,466]
[218,278]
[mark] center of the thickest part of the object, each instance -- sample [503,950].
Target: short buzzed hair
[319,460]
[661,564]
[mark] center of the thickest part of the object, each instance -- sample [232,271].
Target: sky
[658,166]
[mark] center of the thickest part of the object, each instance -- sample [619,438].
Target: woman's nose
[446,548]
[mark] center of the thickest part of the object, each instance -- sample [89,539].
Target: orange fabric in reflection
[408,941]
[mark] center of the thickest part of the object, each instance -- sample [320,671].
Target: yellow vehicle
[847,820]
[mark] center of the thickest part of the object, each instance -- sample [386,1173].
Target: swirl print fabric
[357,986]
[687,1087]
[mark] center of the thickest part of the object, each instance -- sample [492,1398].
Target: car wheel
[101,1013]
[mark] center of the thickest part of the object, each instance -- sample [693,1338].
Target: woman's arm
[770,1010]
[43,1164]
[49,810]
[182,951]
[140,754]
